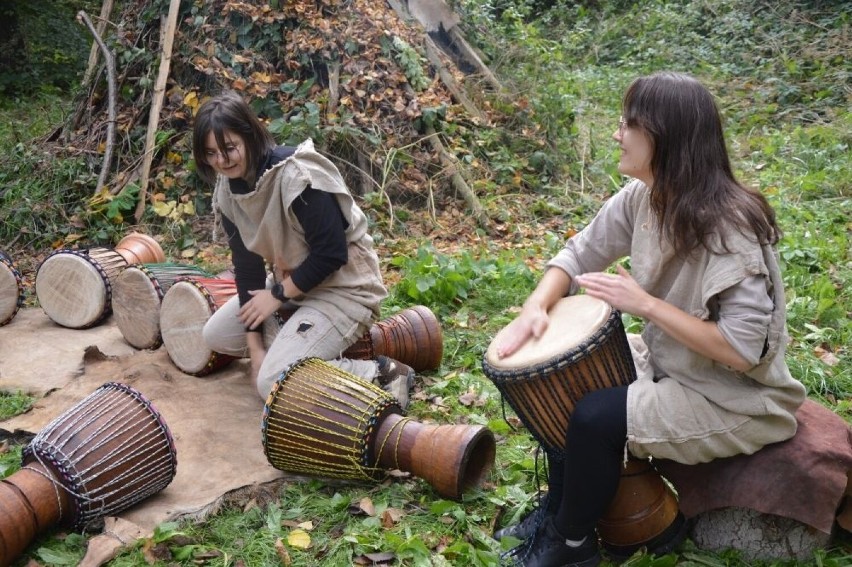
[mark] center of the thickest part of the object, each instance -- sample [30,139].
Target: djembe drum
[584,349]
[324,422]
[11,289]
[186,307]
[100,457]
[74,287]
[138,295]
[413,336]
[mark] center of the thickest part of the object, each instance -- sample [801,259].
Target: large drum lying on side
[185,309]
[412,336]
[100,457]
[11,289]
[321,421]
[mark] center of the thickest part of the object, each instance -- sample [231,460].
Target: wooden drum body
[74,287]
[11,289]
[138,295]
[413,336]
[321,421]
[583,349]
[186,307]
[100,457]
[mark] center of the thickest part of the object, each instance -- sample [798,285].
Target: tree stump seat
[783,502]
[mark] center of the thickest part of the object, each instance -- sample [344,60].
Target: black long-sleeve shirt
[325,233]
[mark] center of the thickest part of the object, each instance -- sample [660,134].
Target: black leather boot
[548,548]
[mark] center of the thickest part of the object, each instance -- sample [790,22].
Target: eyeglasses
[231,151]
[622,126]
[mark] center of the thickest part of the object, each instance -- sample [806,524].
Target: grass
[781,73]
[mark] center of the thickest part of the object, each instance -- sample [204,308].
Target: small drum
[136,299]
[186,307]
[584,349]
[321,421]
[11,289]
[74,287]
[413,336]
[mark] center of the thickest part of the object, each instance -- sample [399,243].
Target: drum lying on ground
[186,307]
[100,457]
[138,295]
[11,289]
[413,336]
[322,421]
[74,287]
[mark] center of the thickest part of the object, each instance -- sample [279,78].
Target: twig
[157,104]
[110,65]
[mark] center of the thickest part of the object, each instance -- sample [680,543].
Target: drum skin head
[10,291]
[136,308]
[183,314]
[573,320]
[71,291]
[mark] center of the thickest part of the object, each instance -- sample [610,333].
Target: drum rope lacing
[325,434]
[90,486]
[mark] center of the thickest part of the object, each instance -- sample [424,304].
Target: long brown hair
[694,189]
[229,112]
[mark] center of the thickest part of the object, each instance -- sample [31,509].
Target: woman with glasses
[289,208]
[704,277]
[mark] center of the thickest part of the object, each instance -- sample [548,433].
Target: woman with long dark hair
[705,279]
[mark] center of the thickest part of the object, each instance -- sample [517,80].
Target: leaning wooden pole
[110,66]
[157,104]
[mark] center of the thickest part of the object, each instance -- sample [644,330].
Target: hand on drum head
[532,322]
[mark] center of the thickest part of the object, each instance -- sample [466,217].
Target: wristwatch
[278,293]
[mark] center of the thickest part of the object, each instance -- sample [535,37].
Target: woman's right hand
[532,322]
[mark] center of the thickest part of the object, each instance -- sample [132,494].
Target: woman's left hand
[258,308]
[619,290]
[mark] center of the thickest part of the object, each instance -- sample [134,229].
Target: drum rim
[558,362]
[84,254]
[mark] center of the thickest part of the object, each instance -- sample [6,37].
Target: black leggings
[584,479]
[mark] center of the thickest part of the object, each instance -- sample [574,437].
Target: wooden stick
[457,181]
[106,11]
[450,81]
[110,65]
[157,104]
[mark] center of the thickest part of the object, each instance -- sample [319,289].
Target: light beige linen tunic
[350,297]
[689,408]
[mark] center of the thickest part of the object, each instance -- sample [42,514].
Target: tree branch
[110,65]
